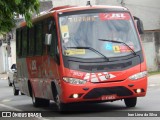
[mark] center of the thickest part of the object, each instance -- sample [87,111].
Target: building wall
[157,47]
[148,42]
[72,2]
[45,5]
[13,52]
[4,59]
[2,69]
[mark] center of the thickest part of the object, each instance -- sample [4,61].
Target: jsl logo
[121,15]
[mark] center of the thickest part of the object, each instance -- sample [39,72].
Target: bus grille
[105,67]
[98,92]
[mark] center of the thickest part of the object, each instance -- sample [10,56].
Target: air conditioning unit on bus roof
[60,7]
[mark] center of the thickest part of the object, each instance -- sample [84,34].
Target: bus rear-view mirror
[48,39]
[139,25]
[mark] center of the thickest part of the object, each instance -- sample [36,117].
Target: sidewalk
[3,76]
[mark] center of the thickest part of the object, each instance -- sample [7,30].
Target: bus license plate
[108,97]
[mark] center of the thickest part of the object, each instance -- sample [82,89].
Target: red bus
[79,54]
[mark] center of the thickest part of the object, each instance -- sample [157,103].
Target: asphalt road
[22,103]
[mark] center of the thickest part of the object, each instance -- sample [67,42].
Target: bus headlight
[138,75]
[74,80]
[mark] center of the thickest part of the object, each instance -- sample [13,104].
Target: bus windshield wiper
[94,50]
[114,41]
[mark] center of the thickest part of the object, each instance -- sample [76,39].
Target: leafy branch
[10,8]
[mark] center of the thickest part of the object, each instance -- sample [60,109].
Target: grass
[154,73]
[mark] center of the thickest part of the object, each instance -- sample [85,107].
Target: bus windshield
[86,30]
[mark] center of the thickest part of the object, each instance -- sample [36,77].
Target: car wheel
[39,102]
[9,82]
[15,91]
[130,102]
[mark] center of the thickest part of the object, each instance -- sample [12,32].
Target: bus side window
[45,31]
[39,41]
[31,46]
[24,41]
[53,31]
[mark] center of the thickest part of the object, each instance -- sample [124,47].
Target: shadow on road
[80,110]
[87,109]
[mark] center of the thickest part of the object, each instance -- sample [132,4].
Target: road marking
[15,109]
[9,107]
[6,100]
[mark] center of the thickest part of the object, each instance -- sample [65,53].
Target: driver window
[51,29]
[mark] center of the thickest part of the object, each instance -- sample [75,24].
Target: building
[71,2]
[8,47]
[3,54]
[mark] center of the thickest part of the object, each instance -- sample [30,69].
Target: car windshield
[85,30]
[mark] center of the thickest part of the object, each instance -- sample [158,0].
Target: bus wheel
[45,103]
[130,102]
[36,101]
[61,106]
[39,102]
[15,91]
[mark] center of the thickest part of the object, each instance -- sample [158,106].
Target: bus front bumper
[103,91]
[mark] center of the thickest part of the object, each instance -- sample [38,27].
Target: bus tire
[62,107]
[45,102]
[130,102]
[39,102]
[30,88]
[36,101]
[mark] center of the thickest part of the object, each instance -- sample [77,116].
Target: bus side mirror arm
[48,38]
[139,25]
[56,56]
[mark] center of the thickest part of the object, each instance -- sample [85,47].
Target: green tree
[10,8]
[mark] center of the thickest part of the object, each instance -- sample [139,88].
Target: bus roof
[68,8]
